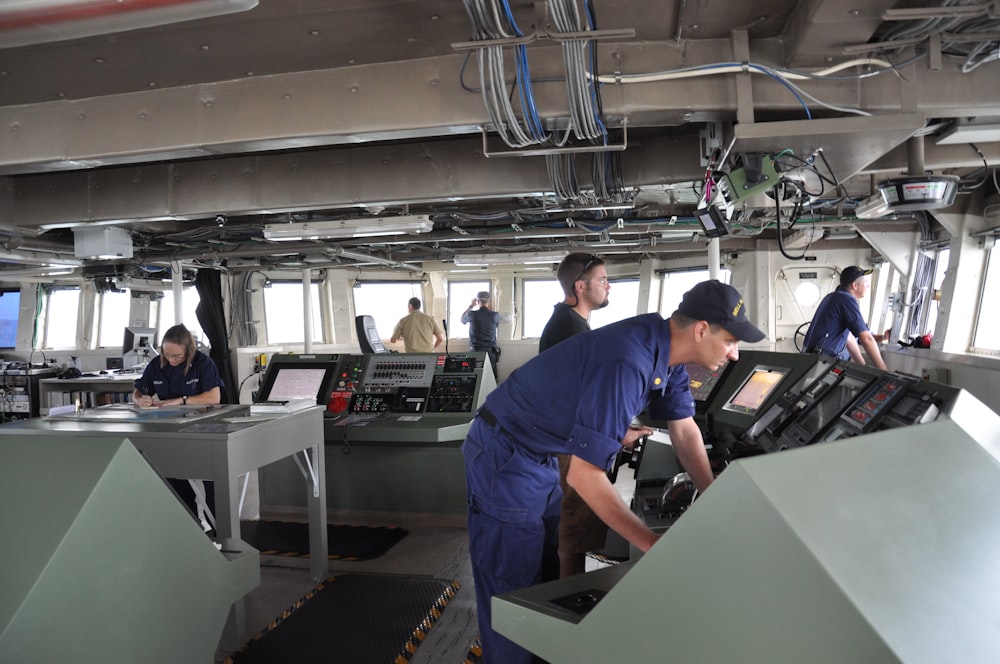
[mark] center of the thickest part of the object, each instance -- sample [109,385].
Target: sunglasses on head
[591,259]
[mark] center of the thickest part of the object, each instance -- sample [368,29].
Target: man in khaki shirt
[420,332]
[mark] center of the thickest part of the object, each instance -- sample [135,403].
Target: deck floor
[436,546]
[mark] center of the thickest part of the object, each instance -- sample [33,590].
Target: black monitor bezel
[133,332]
[721,371]
[275,368]
[729,406]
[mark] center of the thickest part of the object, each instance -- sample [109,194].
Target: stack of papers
[290,406]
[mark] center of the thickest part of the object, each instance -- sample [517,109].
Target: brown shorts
[580,530]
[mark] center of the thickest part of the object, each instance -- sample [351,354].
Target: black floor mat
[355,619]
[289,538]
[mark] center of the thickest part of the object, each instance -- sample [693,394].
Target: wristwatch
[184,399]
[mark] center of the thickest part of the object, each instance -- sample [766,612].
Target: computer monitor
[285,381]
[139,346]
[704,381]
[755,390]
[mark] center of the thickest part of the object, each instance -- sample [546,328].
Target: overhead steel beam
[415,99]
[368,176]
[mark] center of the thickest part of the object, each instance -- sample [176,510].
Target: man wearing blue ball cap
[579,397]
[837,327]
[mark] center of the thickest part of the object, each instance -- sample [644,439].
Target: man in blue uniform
[483,323]
[838,326]
[579,398]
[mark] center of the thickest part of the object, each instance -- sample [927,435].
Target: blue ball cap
[721,304]
[851,274]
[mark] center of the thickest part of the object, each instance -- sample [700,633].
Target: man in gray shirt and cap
[483,324]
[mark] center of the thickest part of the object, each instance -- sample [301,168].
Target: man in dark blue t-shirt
[838,321]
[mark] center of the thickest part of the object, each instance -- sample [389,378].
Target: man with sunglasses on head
[584,280]
[579,398]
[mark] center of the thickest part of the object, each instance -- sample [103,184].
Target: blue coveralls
[578,398]
[836,316]
[169,382]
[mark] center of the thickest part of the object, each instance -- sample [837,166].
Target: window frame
[47,291]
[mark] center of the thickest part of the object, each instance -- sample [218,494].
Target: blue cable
[764,70]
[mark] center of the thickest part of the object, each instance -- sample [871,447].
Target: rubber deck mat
[353,619]
[289,538]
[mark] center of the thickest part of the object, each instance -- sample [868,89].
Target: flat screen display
[755,390]
[832,404]
[139,340]
[703,381]
[296,383]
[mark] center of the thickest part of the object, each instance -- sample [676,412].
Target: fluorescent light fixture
[517,258]
[37,272]
[348,228]
[45,259]
[25,22]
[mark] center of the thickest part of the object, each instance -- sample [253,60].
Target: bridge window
[114,311]
[540,295]
[165,313]
[285,314]
[933,297]
[61,309]
[385,301]
[623,302]
[988,320]
[674,284]
[10,305]
[460,295]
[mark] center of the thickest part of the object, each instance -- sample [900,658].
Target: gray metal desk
[218,444]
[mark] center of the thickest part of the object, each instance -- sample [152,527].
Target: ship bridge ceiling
[218,139]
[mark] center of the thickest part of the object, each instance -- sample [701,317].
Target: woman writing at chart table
[182,374]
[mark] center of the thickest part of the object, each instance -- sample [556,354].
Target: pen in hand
[145,400]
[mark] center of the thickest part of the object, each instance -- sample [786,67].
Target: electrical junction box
[744,182]
[104,242]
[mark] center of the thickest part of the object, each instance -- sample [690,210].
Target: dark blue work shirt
[836,316]
[169,382]
[580,396]
[483,328]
